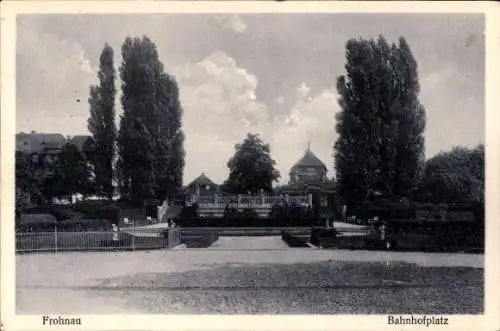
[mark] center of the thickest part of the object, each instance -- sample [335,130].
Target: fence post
[55,238]
[170,238]
[133,234]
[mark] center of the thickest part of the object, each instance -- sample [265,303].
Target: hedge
[200,239]
[246,222]
[99,210]
[292,241]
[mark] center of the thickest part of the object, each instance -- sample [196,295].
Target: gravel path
[224,281]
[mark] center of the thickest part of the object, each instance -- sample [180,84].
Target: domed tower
[309,177]
[308,169]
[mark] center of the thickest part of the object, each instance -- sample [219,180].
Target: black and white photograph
[249,163]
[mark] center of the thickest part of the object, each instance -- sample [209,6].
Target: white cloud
[232,22]
[303,91]
[220,107]
[312,119]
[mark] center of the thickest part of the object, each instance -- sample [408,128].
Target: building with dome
[309,176]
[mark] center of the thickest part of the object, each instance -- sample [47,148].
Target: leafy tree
[411,117]
[169,157]
[380,146]
[251,168]
[151,155]
[71,175]
[102,123]
[27,181]
[455,176]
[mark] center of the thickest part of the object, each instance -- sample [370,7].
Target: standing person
[344,213]
[383,235]
[115,235]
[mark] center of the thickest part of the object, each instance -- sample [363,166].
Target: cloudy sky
[269,73]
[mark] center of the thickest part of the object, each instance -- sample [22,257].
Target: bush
[200,240]
[292,241]
[99,210]
[85,224]
[36,222]
[323,237]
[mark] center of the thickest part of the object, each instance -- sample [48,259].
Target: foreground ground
[252,276]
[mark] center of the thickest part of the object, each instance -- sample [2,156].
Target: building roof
[41,141]
[309,160]
[79,141]
[45,142]
[202,180]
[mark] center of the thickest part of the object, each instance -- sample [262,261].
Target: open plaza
[249,275]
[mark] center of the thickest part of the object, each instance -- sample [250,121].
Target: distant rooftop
[39,142]
[202,180]
[309,160]
[79,141]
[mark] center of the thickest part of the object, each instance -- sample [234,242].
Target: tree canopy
[101,123]
[150,140]
[71,175]
[454,176]
[380,148]
[251,168]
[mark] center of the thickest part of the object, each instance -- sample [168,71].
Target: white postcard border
[11,321]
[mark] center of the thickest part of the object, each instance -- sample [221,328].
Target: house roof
[41,141]
[202,180]
[309,160]
[79,141]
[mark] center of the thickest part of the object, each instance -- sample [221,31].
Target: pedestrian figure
[115,235]
[383,235]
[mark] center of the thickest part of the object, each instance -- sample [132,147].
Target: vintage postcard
[250,165]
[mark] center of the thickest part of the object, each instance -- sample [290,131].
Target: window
[207,187]
[324,201]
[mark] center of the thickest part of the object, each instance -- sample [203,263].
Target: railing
[127,239]
[132,239]
[243,201]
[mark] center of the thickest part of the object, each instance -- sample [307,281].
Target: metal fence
[148,238]
[127,239]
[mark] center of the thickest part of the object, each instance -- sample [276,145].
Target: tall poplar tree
[102,123]
[169,156]
[380,146]
[151,155]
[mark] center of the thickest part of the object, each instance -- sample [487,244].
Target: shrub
[36,222]
[323,237]
[99,210]
[292,241]
[85,224]
[201,240]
